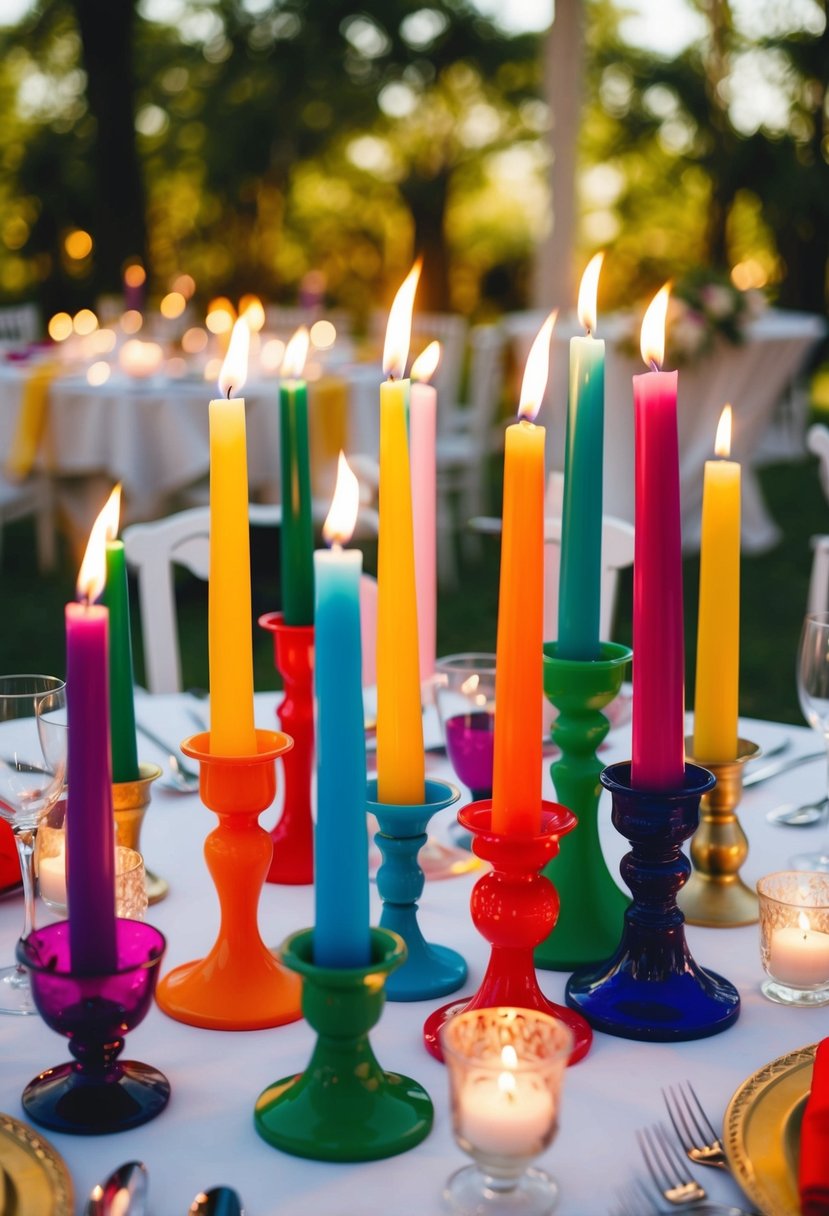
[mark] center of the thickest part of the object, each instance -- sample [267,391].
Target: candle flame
[111,513]
[399,326]
[342,514]
[234,371]
[296,352]
[722,444]
[425,364]
[803,921]
[537,370]
[652,337]
[92,575]
[509,1056]
[588,291]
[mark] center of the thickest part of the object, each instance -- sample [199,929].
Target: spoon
[789,815]
[123,1194]
[218,1201]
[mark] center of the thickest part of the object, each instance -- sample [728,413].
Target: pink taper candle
[658,757]
[422,431]
[90,825]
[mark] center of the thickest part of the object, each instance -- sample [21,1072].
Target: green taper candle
[580,577]
[121,703]
[297,545]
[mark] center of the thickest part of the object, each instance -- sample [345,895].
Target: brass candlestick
[715,895]
[130,800]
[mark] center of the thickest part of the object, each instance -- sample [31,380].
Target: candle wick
[229,391]
[654,365]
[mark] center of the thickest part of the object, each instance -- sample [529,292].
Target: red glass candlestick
[293,836]
[515,908]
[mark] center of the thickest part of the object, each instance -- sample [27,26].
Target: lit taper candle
[716,698]
[401,769]
[580,580]
[341,932]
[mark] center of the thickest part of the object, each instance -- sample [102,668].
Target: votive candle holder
[794,937]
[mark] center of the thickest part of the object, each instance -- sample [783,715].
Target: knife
[766,771]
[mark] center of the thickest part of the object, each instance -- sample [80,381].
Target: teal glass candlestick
[592,905]
[344,1107]
[429,970]
[297,532]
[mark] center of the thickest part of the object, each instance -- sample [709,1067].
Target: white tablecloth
[206,1136]
[753,377]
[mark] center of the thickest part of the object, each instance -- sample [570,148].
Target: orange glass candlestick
[239,985]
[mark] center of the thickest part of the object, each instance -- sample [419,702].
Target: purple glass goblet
[470,742]
[96,1092]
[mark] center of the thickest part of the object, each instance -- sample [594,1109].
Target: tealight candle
[799,956]
[794,937]
[506,1114]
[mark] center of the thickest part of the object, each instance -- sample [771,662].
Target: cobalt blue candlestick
[429,970]
[652,988]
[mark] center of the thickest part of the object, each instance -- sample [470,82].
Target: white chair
[152,549]
[817,440]
[617,554]
[19,324]
[32,496]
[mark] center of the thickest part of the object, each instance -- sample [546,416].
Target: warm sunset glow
[234,370]
[253,310]
[536,371]
[296,352]
[722,444]
[588,291]
[652,336]
[399,327]
[342,514]
[92,575]
[425,364]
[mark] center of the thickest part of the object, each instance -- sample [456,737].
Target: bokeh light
[194,340]
[172,305]
[85,321]
[323,335]
[98,373]
[78,244]
[59,327]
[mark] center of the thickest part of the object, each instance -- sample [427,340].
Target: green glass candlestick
[592,905]
[344,1107]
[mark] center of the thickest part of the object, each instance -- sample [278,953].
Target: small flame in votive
[652,334]
[470,685]
[399,326]
[296,352]
[803,921]
[588,291]
[342,514]
[92,575]
[234,371]
[509,1056]
[536,371]
[722,444]
[425,364]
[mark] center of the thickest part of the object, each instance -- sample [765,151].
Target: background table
[206,1136]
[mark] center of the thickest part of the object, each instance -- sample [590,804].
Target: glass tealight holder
[130,878]
[794,937]
[506,1068]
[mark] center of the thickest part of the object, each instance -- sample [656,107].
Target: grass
[774,590]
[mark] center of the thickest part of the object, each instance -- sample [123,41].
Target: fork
[667,1169]
[180,776]
[693,1128]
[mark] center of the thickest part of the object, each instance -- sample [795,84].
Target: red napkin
[814,1140]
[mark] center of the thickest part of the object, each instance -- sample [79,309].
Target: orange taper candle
[516,787]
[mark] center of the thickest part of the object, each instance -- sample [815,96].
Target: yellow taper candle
[400,758]
[718,635]
[229,614]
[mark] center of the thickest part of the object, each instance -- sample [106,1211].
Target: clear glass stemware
[33,743]
[813,692]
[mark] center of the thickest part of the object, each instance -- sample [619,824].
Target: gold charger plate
[34,1180]
[761,1131]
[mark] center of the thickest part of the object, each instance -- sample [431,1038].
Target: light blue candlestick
[580,578]
[341,934]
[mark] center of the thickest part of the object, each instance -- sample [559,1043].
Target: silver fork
[694,1130]
[667,1168]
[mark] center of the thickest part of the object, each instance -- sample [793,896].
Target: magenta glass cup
[96,1092]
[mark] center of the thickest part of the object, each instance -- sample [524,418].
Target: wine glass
[813,691]
[33,740]
[465,699]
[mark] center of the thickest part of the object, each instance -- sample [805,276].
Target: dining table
[206,1135]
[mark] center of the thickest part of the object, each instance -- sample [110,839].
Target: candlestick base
[428,970]
[715,895]
[344,1107]
[130,800]
[592,905]
[239,985]
[514,907]
[651,988]
[292,863]
[97,1092]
